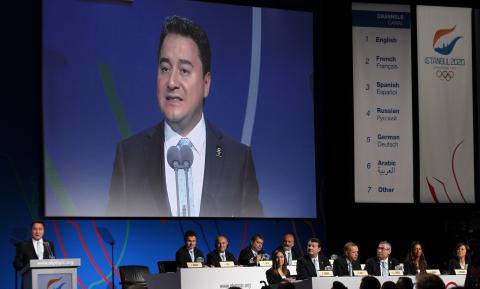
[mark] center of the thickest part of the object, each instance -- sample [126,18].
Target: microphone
[180,157]
[199,259]
[186,155]
[49,251]
[173,157]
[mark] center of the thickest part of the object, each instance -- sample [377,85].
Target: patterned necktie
[223,257]
[40,250]
[185,186]
[350,271]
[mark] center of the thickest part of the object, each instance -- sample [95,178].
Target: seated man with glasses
[379,265]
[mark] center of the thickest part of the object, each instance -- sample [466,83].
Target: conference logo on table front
[443,64]
[55,283]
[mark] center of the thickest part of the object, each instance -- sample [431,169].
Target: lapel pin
[219,152]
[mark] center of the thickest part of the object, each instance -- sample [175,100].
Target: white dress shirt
[197,137]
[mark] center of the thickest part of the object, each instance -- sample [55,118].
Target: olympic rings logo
[445,74]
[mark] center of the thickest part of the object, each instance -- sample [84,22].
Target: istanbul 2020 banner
[445,104]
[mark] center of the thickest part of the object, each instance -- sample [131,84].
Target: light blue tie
[185,186]
[350,271]
[384,268]
[192,255]
[317,266]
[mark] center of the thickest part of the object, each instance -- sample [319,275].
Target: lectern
[50,274]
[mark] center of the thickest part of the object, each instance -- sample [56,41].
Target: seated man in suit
[379,265]
[308,265]
[221,174]
[220,254]
[35,248]
[344,265]
[288,247]
[189,252]
[252,254]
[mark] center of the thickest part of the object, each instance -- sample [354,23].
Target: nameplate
[325,273]
[194,265]
[433,271]
[227,264]
[395,272]
[460,272]
[360,273]
[265,263]
[294,262]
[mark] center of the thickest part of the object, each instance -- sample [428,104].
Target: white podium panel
[46,273]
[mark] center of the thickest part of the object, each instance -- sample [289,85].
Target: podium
[50,273]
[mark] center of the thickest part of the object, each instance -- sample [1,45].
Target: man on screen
[221,181]
[34,248]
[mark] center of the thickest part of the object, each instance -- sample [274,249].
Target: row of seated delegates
[249,256]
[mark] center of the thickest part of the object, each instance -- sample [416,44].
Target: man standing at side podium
[221,180]
[35,248]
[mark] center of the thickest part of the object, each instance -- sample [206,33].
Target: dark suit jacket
[213,258]
[454,264]
[273,278]
[410,268]
[340,266]
[306,268]
[182,256]
[246,256]
[26,252]
[138,187]
[372,265]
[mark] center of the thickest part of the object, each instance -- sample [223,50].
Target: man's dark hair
[37,222]
[404,283]
[315,240]
[369,282]
[429,281]
[189,233]
[256,236]
[187,28]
